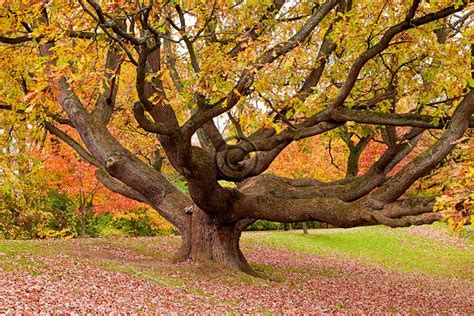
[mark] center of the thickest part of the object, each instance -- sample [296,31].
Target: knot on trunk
[373,204]
[113,162]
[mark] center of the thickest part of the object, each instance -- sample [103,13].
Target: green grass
[22,255]
[394,249]
[148,247]
[13,247]
[144,274]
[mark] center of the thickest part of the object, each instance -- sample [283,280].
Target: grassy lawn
[397,249]
[360,270]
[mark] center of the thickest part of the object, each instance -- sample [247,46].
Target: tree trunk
[83,222]
[209,240]
[305,228]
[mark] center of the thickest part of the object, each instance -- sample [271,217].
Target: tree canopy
[127,83]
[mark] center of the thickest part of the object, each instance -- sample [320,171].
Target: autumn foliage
[48,191]
[334,111]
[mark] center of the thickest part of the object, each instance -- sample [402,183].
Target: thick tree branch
[326,49]
[397,185]
[325,209]
[390,119]
[377,174]
[258,194]
[119,187]
[106,102]
[149,126]
[355,150]
[116,159]
[405,221]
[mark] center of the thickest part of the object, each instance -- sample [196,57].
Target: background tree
[76,178]
[280,71]
[47,192]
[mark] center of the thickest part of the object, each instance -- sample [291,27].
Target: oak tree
[132,76]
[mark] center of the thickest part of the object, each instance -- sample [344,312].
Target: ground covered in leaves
[413,270]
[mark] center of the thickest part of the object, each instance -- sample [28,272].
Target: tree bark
[305,228]
[208,240]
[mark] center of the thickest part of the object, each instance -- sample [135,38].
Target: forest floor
[361,270]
